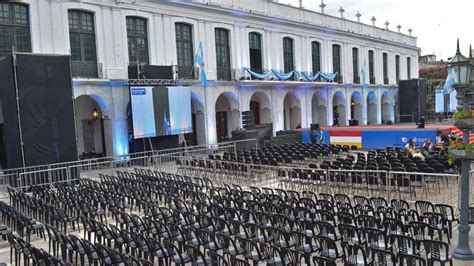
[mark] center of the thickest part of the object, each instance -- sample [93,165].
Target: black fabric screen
[11,138]
[412,99]
[46,109]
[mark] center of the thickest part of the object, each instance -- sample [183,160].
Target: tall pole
[462,250]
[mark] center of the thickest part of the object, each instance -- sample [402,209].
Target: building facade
[104,37]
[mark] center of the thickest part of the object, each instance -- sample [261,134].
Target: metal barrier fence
[434,187]
[22,178]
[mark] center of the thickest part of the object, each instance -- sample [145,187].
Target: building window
[385,68]
[223,54]
[14,28]
[371,67]
[355,65]
[83,47]
[255,44]
[137,36]
[316,56]
[397,68]
[288,54]
[408,67]
[336,61]
[184,48]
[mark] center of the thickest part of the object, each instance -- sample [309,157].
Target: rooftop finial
[322,6]
[301,3]
[386,24]
[470,51]
[358,15]
[399,27]
[410,31]
[457,48]
[341,10]
[373,19]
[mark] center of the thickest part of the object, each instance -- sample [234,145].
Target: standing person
[336,117]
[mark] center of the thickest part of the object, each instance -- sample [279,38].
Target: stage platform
[379,136]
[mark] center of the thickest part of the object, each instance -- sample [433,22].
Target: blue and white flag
[363,73]
[199,60]
[449,84]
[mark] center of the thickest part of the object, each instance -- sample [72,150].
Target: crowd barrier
[413,184]
[23,178]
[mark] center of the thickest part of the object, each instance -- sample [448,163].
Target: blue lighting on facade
[120,137]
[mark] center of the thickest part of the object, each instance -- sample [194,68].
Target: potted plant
[463,120]
[457,150]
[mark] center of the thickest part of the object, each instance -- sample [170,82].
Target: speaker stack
[248,121]
[412,99]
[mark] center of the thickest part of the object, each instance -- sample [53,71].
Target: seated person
[421,122]
[418,154]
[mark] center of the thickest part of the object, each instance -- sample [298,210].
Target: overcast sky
[435,23]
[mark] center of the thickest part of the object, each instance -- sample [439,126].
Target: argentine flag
[199,59]
[448,84]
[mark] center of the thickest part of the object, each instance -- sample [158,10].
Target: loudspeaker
[412,99]
[150,72]
[314,126]
[37,90]
[353,122]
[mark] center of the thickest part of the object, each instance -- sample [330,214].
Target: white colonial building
[104,37]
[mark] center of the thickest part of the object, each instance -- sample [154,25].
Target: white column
[379,106]
[277,111]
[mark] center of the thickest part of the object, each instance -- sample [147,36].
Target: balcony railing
[187,72]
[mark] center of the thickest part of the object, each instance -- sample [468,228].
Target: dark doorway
[191,138]
[255,108]
[221,126]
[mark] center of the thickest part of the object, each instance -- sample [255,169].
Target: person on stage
[421,122]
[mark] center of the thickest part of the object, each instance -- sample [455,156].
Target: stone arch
[319,109]
[227,115]
[356,106]
[291,111]
[339,106]
[90,131]
[371,108]
[260,105]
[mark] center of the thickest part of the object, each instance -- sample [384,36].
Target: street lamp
[460,69]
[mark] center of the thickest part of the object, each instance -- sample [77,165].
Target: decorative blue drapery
[286,76]
[282,76]
[328,76]
[257,75]
[308,77]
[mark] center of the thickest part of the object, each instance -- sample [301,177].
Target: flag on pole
[363,73]
[199,60]
[448,84]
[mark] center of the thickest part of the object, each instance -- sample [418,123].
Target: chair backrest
[383,257]
[323,261]
[411,260]
[195,253]
[217,259]
[238,262]
[436,250]
[353,254]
